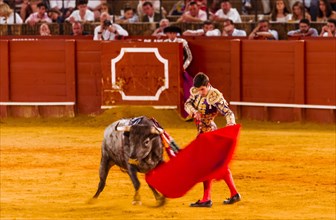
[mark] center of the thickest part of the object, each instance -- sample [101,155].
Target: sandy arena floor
[49,170]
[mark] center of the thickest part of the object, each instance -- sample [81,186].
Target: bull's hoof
[92,201]
[136,203]
[161,201]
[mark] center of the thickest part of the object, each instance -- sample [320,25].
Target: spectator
[325,11]
[172,32]
[333,4]
[28,7]
[225,12]
[313,10]
[304,29]
[306,3]
[215,6]
[193,14]
[156,6]
[7,15]
[266,6]
[108,30]
[55,16]
[128,17]
[207,30]
[82,14]
[299,12]
[178,8]
[95,6]
[281,11]
[40,16]
[77,29]
[149,13]
[263,31]
[202,4]
[104,7]
[229,29]
[44,30]
[329,30]
[159,31]
[246,6]
[63,7]
[291,3]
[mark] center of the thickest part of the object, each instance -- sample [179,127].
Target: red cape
[206,157]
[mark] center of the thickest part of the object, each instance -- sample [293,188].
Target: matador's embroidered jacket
[187,56]
[209,107]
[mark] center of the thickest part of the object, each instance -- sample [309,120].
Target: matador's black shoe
[202,204]
[233,199]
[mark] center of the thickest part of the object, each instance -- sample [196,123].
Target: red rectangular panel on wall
[236,77]
[88,79]
[42,72]
[141,73]
[268,71]
[69,55]
[4,76]
[321,72]
[321,78]
[268,74]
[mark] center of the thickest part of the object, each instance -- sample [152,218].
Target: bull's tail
[105,166]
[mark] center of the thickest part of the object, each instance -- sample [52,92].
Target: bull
[135,146]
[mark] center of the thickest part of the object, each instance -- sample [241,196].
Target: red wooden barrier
[263,80]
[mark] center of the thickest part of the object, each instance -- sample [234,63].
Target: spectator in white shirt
[39,16]
[263,32]
[7,15]
[193,14]
[64,7]
[95,6]
[229,29]
[207,30]
[82,14]
[226,11]
[108,30]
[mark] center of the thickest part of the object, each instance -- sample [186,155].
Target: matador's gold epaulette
[214,96]
[193,91]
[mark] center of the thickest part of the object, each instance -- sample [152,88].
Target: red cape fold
[206,157]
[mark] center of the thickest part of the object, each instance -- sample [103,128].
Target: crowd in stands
[77,12]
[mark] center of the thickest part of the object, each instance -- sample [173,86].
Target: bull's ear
[156,131]
[123,128]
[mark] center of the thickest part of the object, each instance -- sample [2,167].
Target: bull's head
[142,140]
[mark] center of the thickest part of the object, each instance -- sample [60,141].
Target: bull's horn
[123,128]
[156,130]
